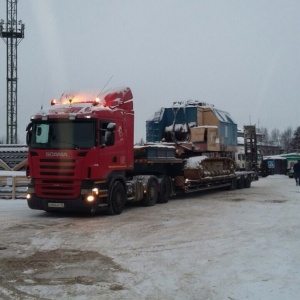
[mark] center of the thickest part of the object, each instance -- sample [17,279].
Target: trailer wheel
[150,197]
[248,182]
[117,199]
[233,184]
[241,183]
[164,189]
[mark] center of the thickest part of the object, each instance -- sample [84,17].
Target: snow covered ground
[242,244]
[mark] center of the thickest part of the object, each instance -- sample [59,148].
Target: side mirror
[111,127]
[28,137]
[110,134]
[29,133]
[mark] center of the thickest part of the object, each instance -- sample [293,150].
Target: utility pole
[12,32]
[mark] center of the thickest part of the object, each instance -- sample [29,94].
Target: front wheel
[117,198]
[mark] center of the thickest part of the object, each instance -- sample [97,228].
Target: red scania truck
[81,155]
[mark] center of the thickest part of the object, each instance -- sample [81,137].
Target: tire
[117,198]
[248,182]
[241,183]
[232,187]
[150,198]
[164,190]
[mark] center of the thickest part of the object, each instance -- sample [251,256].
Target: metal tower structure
[12,32]
[250,141]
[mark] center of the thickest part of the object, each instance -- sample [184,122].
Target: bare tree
[275,137]
[265,135]
[286,140]
[296,140]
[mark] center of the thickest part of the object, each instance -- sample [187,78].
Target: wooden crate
[13,187]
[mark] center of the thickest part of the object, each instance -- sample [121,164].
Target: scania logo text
[57,154]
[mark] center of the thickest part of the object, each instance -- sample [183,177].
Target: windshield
[63,134]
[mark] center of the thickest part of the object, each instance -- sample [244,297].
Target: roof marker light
[53,102]
[96,101]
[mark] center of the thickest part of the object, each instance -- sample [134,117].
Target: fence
[13,185]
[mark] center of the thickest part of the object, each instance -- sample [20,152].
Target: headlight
[90,195]
[95,191]
[90,198]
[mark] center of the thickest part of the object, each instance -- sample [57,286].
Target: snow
[191,103]
[222,116]
[277,157]
[194,162]
[12,173]
[13,148]
[207,126]
[241,244]
[240,140]
[177,128]
[155,145]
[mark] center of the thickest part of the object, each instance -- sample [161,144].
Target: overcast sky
[243,56]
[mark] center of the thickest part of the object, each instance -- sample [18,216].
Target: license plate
[56,205]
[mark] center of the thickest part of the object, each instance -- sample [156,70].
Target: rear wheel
[241,183]
[248,182]
[117,199]
[164,189]
[233,184]
[150,198]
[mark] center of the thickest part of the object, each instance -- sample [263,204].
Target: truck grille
[57,167]
[58,187]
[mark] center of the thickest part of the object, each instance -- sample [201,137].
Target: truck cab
[77,148]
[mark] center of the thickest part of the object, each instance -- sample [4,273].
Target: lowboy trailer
[81,157]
